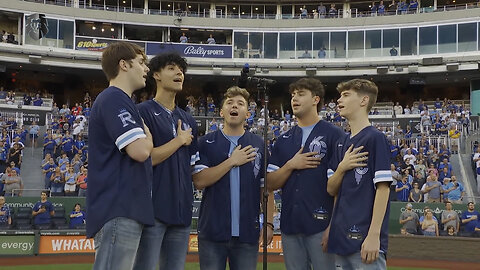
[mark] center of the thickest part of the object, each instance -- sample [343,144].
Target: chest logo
[359,172]
[257,162]
[319,146]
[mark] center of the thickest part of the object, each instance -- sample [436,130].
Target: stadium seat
[62,227]
[80,227]
[24,226]
[57,194]
[59,212]
[59,221]
[5,226]
[23,215]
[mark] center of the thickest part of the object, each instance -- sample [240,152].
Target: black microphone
[243,80]
[261,80]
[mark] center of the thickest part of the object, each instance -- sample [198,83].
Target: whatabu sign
[191,50]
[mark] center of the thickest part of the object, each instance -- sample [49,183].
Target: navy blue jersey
[354,208]
[118,185]
[306,205]
[215,213]
[172,178]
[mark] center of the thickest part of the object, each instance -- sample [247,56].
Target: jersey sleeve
[122,122]
[202,162]
[382,160]
[274,161]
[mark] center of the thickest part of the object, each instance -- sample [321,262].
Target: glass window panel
[320,44]
[166,7]
[256,45]
[240,45]
[447,38]
[270,11]
[408,39]
[50,39]
[287,45]
[390,42]
[270,45]
[65,34]
[428,40]
[467,38]
[258,11]
[338,44]
[204,10]
[373,43]
[245,11]
[192,9]
[286,11]
[355,44]
[233,11]
[304,45]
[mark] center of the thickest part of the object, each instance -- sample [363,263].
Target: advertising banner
[97,44]
[37,116]
[17,244]
[63,244]
[274,247]
[191,50]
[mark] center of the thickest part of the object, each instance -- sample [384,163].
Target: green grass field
[189,266]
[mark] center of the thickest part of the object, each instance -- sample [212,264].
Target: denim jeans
[116,244]
[214,255]
[302,252]
[164,244]
[354,262]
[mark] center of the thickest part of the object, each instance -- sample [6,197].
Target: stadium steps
[31,172]
[464,173]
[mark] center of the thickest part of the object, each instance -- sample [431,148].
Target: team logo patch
[125,116]
[359,172]
[257,162]
[354,233]
[319,146]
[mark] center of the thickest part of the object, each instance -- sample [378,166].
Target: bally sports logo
[53,244]
[197,51]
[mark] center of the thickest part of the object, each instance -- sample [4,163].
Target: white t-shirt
[475,156]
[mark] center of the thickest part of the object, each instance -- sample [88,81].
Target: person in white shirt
[410,156]
[398,108]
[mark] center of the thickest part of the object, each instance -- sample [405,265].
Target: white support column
[435,3]
[213,11]
[145,7]
[346,10]
[279,12]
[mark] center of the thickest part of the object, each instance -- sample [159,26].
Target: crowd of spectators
[446,222]
[43,215]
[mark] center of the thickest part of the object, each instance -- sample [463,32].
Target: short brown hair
[361,87]
[313,85]
[119,51]
[235,91]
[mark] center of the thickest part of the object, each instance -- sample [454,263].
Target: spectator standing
[322,53]
[77,216]
[470,218]
[433,188]
[5,214]
[48,170]
[183,38]
[393,52]
[409,220]
[403,189]
[398,109]
[34,128]
[82,182]
[211,40]
[58,179]
[430,225]
[37,101]
[456,191]
[13,184]
[476,159]
[322,11]
[415,193]
[70,181]
[450,217]
[43,210]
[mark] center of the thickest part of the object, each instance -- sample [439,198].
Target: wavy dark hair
[159,62]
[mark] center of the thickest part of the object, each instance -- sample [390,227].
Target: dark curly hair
[159,62]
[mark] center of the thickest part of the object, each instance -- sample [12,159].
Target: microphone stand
[262,86]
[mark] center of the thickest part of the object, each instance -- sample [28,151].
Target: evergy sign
[191,50]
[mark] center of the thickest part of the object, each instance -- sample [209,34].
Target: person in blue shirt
[67,145]
[298,165]
[34,133]
[37,101]
[403,189]
[230,171]
[119,194]
[86,110]
[77,216]
[174,153]
[42,210]
[79,146]
[455,191]
[470,218]
[359,177]
[3,157]
[48,170]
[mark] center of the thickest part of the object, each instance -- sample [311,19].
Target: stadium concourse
[422,55]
